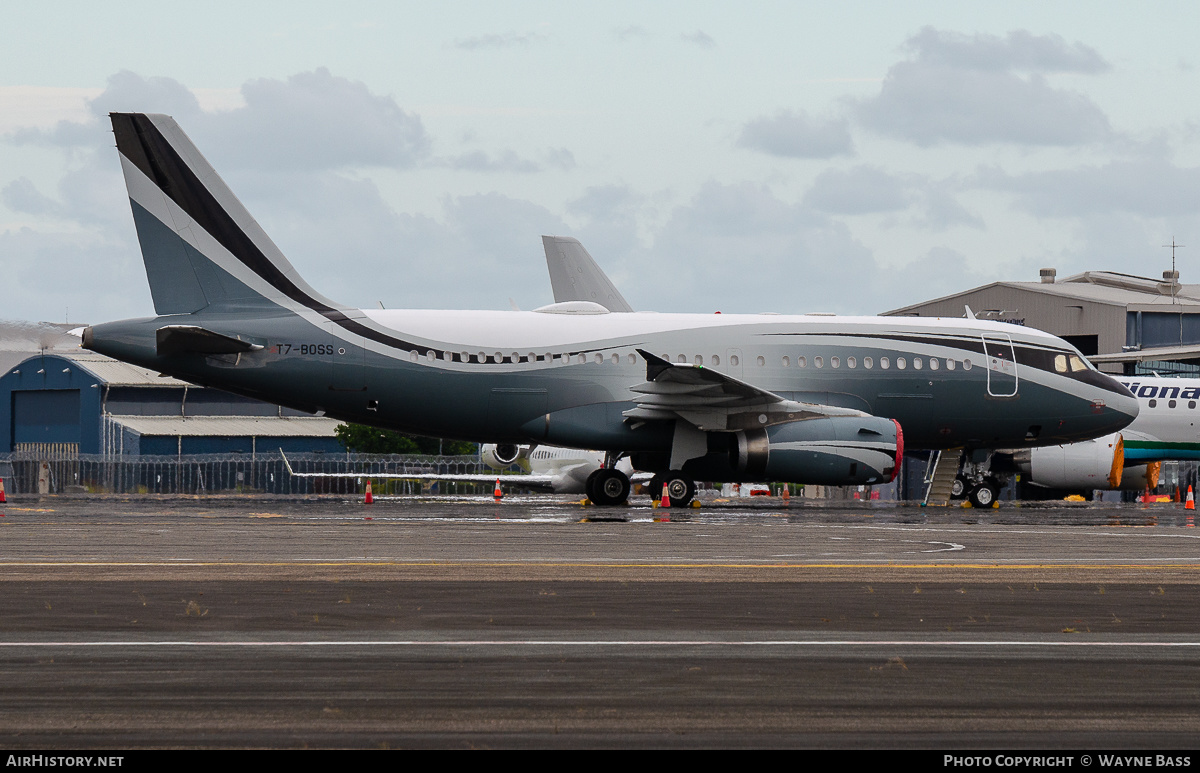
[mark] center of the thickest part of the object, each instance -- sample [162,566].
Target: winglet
[970,314]
[654,365]
[286,463]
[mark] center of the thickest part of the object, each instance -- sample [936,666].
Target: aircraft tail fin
[574,275]
[201,247]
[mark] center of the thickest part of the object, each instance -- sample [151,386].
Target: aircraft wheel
[589,485]
[984,495]
[958,489]
[680,488]
[608,487]
[654,487]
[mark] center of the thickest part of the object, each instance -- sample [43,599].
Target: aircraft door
[1001,365]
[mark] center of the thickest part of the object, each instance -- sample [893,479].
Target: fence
[25,473]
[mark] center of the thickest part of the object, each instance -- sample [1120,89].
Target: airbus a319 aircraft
[805,399]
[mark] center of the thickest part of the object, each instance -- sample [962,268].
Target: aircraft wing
[714,401]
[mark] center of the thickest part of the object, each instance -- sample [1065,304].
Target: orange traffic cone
[497,494]
[787,493]
[665,501]
[368,498]
[3,498]
[1191,502]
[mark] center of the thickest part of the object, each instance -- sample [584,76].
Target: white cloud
[1019,50]
[501,40]
[858,191]
[699,38]
[968,90]
[1152,187]
[797,135]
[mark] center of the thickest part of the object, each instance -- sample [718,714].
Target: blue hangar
[76,402]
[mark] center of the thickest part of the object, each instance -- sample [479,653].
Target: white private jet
[548,468]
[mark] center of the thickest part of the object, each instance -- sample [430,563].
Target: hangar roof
[1104,287]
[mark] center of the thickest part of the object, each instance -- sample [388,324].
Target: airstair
[940,475]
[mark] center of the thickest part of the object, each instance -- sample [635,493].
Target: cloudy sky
[759,156]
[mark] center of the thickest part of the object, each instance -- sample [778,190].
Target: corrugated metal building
[1124,323]
[80,402]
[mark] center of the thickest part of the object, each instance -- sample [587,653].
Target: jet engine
[1091,464]
[1141,477]
[835,451]
[501,456]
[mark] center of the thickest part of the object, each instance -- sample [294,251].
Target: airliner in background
[547,468]
[732,397]
[1167,428]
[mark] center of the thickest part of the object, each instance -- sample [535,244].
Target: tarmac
[535,622]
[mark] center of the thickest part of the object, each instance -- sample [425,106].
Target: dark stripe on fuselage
[140,141]
[1029,355]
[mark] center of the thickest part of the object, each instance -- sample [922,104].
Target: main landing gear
[680,488]
[607,487]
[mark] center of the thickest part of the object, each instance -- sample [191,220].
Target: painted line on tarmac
[1173,563]
[841,643]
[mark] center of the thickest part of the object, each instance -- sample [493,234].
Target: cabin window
[733,360]
[949,364]
[599,359]
[818,362]
[413,356]
[582,359]
[1191,403]
[801,362]
[787,363]
[681,358]
[868,363]
[1171,404]
[716,360]
[901,363]
[933,363]
[967,364]
[616,359]
[762,361]
[835,362]
[851,362]
[917,364]
[884,363]
[1154,403]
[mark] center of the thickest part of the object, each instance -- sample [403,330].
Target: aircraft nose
[1116,403]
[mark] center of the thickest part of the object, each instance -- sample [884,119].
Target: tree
[361,439]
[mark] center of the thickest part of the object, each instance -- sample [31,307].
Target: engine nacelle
[501,456]
[1140,477]
[1090,464]
[837,451]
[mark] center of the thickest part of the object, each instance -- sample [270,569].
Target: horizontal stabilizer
[191,339]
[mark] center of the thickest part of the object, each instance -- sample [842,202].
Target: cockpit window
[1060,363]
[1077,364]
